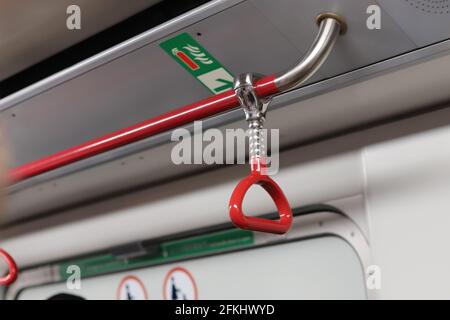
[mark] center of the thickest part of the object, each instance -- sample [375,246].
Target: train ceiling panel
[424,21]
[140,85]
[147,82]
[358,48]
[137,80]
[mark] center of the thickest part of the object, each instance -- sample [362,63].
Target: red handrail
[178,117]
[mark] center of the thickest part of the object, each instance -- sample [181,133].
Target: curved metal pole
[330,26]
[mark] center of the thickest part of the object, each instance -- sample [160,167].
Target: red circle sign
[131,288]
[179,284]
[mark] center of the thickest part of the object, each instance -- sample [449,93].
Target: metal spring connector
[255,113]
[256,139]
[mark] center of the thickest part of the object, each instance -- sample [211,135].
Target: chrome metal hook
[255,114]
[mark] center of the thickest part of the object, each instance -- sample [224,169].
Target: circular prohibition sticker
[131,288]
[179,284]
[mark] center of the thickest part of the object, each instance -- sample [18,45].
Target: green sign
[198,62]
[170,251]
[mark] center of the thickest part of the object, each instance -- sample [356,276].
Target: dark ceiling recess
[116,34]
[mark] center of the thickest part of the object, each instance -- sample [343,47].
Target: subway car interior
[225,150]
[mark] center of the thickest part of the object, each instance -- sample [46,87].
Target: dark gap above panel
[136,24]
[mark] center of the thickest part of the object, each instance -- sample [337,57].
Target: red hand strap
[257,176]
[12,275]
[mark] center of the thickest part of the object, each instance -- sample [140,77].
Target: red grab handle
[13,270]
[257,176]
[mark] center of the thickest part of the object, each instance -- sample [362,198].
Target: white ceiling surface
[31,30]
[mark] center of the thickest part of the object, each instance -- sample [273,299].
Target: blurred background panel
[31,31]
